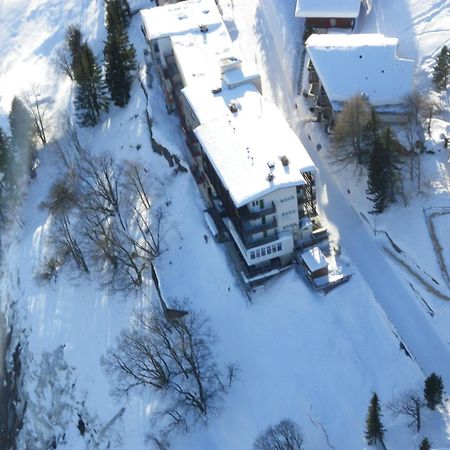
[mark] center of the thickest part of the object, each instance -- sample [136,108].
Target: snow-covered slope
[313,358]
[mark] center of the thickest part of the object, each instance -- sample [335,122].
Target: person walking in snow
[205,237]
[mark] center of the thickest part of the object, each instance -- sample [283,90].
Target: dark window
[279,247]
[261,204]
[252,255]
[263,252]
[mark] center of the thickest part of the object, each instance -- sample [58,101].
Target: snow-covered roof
[198,35]
[351,64]
[314,259]
[200,54]
[247,148]
[180,18]
[328,8]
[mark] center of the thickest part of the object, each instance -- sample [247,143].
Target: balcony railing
[260,227]
[252,243]
[247,214]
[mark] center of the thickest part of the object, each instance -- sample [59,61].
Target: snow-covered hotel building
[344,65]
[249,164]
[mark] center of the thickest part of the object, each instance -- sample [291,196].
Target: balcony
[246,214]
[252,243]
[249,229]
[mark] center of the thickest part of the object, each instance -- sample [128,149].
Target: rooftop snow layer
[199,54]
[199,37]
[180,18]
[351,64]
[328,8]
[248,147]
[314,259]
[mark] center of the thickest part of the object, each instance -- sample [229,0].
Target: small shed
[315,262]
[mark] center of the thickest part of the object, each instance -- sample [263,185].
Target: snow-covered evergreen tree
[384,171]
[433,390]
[91,97]
[119,54]
[441,71]
[374,427]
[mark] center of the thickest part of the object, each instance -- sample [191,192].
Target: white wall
[286,206]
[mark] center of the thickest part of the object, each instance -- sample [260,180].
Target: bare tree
[175,358]
[63,60]
[37,110]
[414,106]
[117,219]
[285,435]
[63,196]
[431,107]
[159,442]
[103,213]
[409,404]
[69,242]
[349,132]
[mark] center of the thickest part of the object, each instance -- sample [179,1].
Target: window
[274,248]
[332,22]
[252,255]
[279,247]
[261,204]
[258,254]
[269,250]
[263,252]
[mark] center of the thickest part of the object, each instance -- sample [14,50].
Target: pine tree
[119,54]
[392,165]
[384,171]
[425,444]
[5,152]
[91,93]
[433,390]
[375,188]
[374,427]
[441,71]
[125,11]
[74,42]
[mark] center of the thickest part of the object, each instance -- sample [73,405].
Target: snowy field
[313,358]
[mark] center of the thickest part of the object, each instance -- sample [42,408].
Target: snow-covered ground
[313,358]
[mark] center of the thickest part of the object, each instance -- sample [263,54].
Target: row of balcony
[248,214]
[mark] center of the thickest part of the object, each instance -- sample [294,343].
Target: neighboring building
[344,65]
[250,166]
[326,14]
